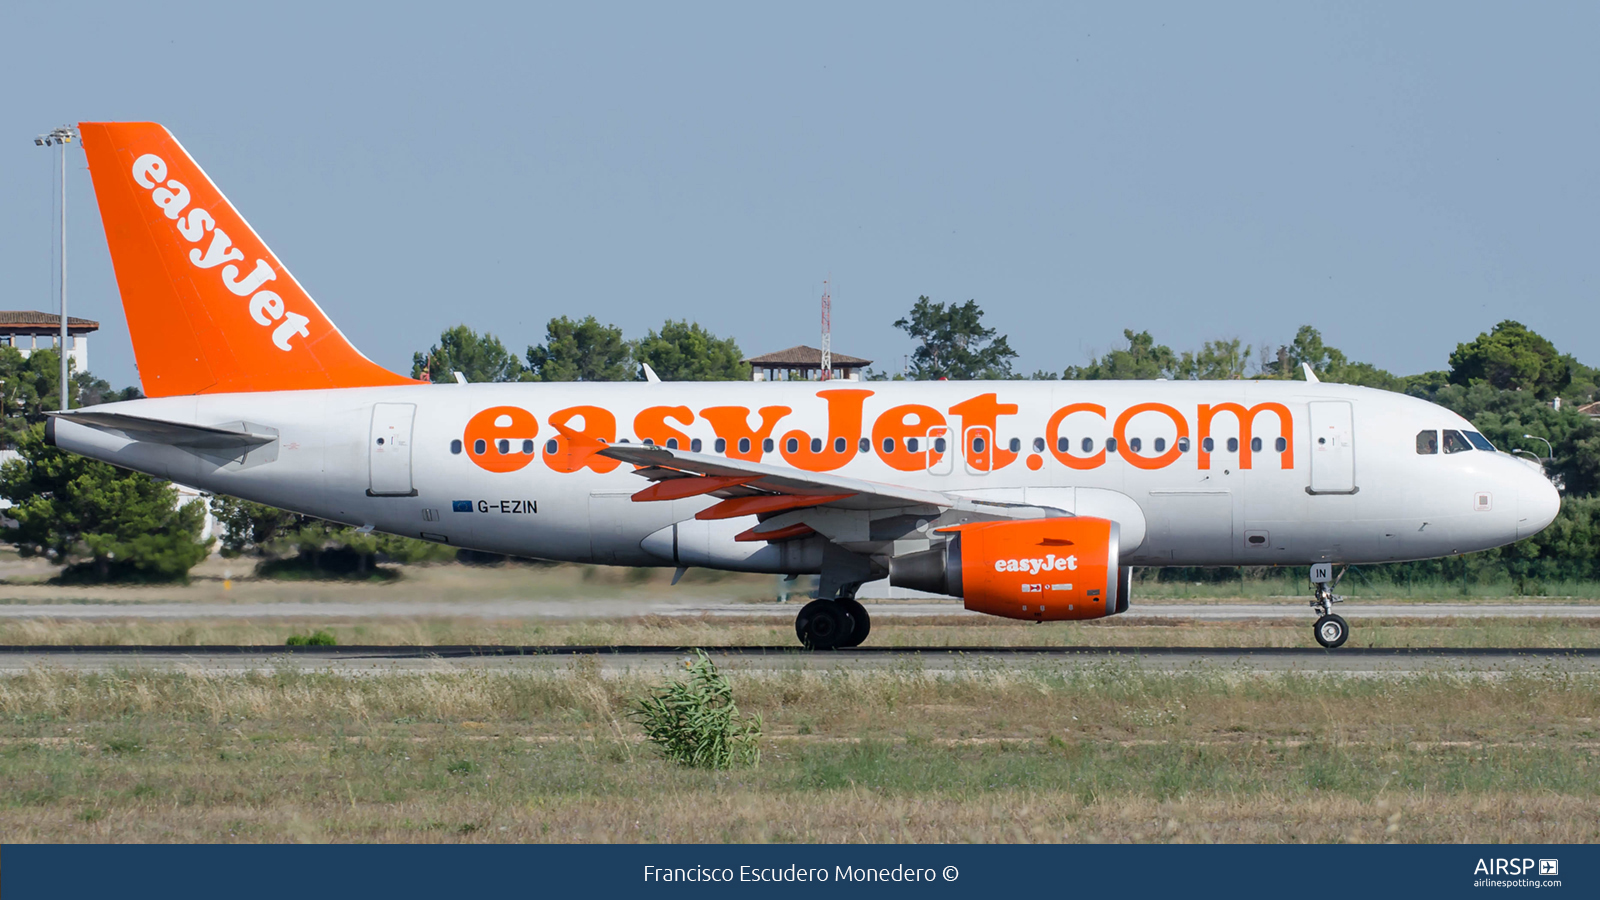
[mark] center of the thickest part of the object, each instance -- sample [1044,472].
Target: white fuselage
[1348,485]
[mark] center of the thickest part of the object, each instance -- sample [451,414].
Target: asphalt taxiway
[612,660]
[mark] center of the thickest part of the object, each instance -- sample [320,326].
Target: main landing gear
[1330,630]
[832,624]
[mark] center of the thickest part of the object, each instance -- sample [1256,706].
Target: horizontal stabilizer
[161,431]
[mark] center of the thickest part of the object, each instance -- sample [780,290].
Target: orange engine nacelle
[1038,569]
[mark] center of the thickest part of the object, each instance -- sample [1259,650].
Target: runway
[603,608]
[615,660]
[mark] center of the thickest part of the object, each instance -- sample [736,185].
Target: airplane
[1027,500]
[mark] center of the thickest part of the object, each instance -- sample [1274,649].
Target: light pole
[61,137]
[1552,450]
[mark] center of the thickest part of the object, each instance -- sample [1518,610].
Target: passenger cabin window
[721,445]
[1161,445]
[744,445]
[1281,444]
[455,446]
[767,445]
[1255,445]
[1064,445]
[1088,445]
[527,448]
[695,445]
[938,445]
[1455,441]
[1427,442]
[888,445]
[911,445]
[866,445]
[1233,445]
[1015,445]
[1479,441]
[1111,445]
[1135,444]
[1183,445]
[1208,445]
[1038,446]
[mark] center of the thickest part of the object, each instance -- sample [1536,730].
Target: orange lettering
[844,432]
[1148,462]
[651,424]
[899,425]
[598,423]
[1246,419]
[984,411]
[1052,434]
[732,424]
[495,438]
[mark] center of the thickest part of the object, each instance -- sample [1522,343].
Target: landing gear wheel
[1331,631]
[858,614]
[824,625]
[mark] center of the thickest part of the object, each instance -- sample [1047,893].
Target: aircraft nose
[1538,502]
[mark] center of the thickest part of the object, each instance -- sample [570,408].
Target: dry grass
[745,631]
[1102,752]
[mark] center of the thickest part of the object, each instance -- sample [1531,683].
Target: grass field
[1065,751]
[230,581]
[1097,753]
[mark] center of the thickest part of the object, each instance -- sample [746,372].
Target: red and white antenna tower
[827,333]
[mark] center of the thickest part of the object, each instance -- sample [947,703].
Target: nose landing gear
[1330,630]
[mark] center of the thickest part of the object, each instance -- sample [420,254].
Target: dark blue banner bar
[344,872]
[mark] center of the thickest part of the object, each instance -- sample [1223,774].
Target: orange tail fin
[209,308]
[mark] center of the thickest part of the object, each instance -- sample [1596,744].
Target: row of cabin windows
[1454,441]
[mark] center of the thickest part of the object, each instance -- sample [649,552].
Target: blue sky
[1402,176]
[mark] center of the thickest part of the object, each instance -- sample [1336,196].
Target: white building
[29,330]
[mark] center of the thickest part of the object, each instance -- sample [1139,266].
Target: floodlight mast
[61,137]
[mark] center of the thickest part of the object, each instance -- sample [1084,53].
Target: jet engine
[1037,569]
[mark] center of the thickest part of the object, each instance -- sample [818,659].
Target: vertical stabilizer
[210,309]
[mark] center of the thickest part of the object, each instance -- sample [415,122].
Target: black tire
[823,625]
[1331,631]
[858,614]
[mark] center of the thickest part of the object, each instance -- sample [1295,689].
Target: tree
[1144,359]
[684,351]
[1219,360]
[32,386]
[290,544]
[954,343]
[581,351]
[1511,358]
[101,522]
[1329,364]
[251,527]
[88,390]
[481,358]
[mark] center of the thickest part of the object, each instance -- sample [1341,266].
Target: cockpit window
[1454,442]
[1479,441]
[1428,442]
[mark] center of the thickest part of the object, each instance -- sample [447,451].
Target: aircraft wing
[161,431]
[748,487]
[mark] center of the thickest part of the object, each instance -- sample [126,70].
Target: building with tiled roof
[28,330]
[804,364]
